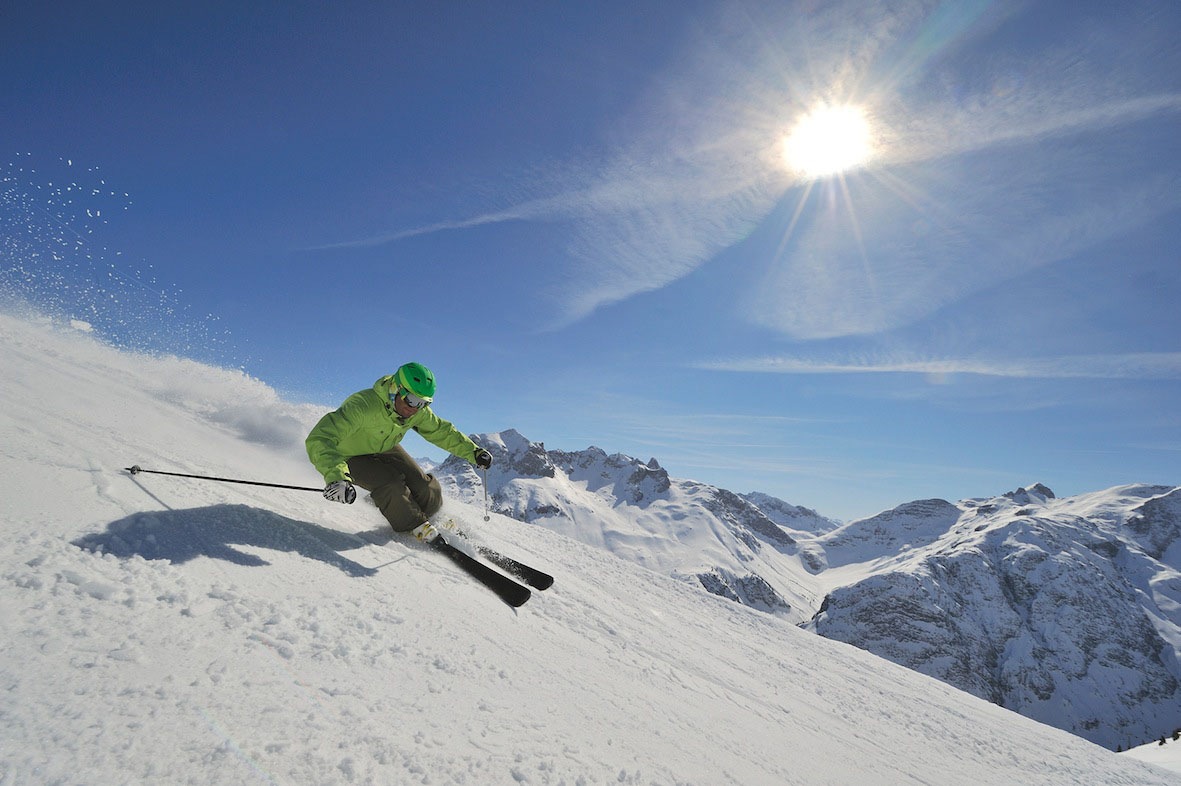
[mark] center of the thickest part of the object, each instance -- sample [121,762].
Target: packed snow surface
[156,629]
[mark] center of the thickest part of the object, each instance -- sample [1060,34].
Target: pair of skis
[512,585]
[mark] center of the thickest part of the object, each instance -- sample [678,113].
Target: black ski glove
[483,458]
[340,491]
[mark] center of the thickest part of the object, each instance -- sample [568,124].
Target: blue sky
[581,217]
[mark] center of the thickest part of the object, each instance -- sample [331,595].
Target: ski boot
[428,530]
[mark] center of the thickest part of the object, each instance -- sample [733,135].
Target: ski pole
[135,469]
[485,472]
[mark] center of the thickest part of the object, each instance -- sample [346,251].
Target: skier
[358,444]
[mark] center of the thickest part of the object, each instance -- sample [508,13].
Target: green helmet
[416,378]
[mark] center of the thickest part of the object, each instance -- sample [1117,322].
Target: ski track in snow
[168,630]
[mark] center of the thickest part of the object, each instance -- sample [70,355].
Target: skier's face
[403,406]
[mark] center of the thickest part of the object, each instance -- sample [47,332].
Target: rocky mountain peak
[1031,494]
[1156,527]
[514,454]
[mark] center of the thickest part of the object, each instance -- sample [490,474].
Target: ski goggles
[416,402]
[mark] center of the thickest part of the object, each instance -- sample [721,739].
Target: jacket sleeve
[323,442]
[443,434]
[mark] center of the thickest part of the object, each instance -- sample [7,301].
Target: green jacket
[367,423]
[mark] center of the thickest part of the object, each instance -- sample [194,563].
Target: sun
[828,141]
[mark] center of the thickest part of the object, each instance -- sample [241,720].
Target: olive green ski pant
[404,494]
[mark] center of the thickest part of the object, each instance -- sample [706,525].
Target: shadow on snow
[182,535]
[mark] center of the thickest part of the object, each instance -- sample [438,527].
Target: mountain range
[1065,610]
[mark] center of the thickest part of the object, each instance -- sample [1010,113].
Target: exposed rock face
[906,527]
[749,590]
[1038,609]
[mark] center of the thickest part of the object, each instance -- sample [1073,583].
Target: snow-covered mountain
[1068,611]
[1065,610]
[724,541]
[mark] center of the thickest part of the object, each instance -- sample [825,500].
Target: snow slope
[168,630]
[1167,756]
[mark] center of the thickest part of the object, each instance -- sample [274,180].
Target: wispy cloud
[885,262]
[988,168]
[637,221]
[695,164]
[698,167]
[517,214]
[1046,113]
[1136,365]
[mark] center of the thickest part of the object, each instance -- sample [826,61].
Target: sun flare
[828,141]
